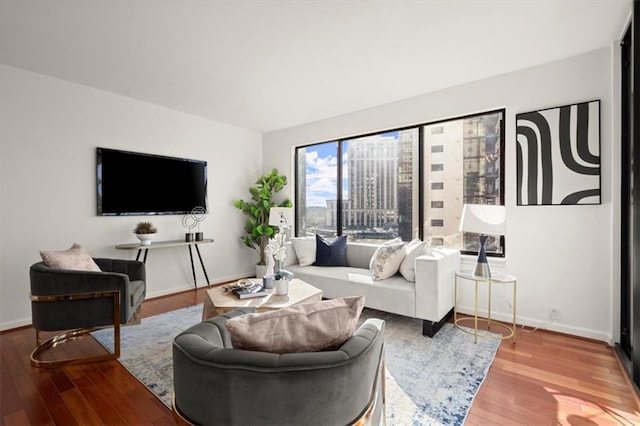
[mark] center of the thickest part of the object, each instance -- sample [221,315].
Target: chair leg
[41,347]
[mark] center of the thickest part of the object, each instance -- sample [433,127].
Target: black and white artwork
[558,155]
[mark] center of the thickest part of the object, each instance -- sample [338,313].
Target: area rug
[429,381]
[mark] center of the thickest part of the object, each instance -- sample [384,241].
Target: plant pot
[261,271]
[145,239]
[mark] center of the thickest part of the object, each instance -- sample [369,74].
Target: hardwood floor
[545,379]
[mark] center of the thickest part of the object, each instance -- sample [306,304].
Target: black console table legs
[193,269]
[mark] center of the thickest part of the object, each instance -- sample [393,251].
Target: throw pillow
[408,267]
[75,258]
[305,248]
[308,327]
[331,254]
[387,259]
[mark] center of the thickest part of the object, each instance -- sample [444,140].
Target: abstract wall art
[558,155]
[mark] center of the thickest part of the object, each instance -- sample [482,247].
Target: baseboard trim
[543,325]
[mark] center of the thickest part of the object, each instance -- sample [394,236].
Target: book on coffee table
[256,290]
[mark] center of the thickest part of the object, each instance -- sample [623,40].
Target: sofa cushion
[413,249]
[307,327]
[75,258]
[305,248]
[387,259]
[395,294]
[331,254]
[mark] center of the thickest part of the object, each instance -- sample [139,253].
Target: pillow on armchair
[75,258]
[308,327]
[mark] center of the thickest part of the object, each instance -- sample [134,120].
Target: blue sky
[322,171]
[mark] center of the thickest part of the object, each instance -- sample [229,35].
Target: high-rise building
[372,170]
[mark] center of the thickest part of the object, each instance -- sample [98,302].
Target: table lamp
[484,220]
[281,217]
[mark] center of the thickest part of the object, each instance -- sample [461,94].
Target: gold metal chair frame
[363,420]
[63,337]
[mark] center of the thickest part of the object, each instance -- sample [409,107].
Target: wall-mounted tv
[133,183]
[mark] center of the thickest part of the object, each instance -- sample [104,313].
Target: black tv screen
[133,183]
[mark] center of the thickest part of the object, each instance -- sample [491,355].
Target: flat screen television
[134,183]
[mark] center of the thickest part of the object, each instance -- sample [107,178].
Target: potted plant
[257,209]
[145,232]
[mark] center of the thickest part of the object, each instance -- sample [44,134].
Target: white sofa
[430,298]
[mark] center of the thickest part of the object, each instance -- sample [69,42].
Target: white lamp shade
[483,219]
[280,216]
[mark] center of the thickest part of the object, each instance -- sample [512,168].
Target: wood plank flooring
[545,379]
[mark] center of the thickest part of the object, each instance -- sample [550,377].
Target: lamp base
[482,270]
[482,265]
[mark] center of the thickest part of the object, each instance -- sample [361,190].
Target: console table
[173,243]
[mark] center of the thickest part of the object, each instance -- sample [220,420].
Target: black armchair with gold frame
[82,301]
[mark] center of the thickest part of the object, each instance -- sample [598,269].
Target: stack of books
[245,289]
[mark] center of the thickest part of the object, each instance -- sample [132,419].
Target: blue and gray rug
[429,381]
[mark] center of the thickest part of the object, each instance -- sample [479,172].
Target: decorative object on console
[484,220]
[257,228]
[199,214]
[145,232]
[562,144]
[331,254]
[189,222]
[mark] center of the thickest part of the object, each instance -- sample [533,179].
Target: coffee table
[217,301]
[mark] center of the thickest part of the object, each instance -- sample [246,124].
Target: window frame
[420,163]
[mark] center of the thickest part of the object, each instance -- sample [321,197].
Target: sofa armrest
[434,283]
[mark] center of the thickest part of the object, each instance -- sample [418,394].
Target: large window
[406,183]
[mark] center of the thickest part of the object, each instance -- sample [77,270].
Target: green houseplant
[145,231]
[257,209]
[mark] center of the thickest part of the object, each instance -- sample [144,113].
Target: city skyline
[322,170]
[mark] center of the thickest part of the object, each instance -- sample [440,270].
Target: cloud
[321,178]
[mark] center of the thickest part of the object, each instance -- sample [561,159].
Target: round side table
[496,278]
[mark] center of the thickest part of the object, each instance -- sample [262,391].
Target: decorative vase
[145,239]
[282,287]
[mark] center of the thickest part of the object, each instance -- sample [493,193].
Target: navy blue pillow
[331,254]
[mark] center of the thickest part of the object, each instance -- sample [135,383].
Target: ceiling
[269,65]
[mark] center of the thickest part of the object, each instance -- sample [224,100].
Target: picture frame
[558,155]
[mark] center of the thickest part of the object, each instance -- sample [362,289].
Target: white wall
[49,133]
[560,254]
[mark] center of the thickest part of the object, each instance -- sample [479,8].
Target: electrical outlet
[554,313]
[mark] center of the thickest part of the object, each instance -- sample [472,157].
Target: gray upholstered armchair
[216,384]
[81,301]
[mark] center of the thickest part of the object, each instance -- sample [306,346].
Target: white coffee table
[217,301]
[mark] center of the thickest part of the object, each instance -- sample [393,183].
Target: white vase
[145,239]
[282,287]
